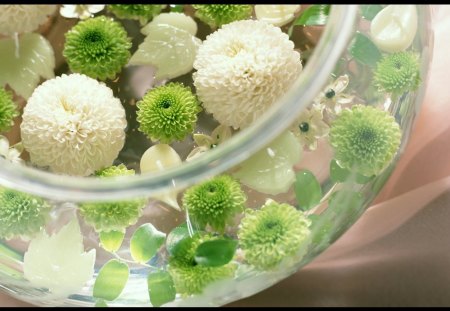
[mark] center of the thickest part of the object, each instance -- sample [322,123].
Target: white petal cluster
[74,125]
[23,18]
[242,69]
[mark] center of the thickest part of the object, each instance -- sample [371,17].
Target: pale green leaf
[111,240]
[215,253]
[161,288]
[307,190]
[145,242]
[364,50]
[369,11]
[316,14]
[35,59]
[111,280]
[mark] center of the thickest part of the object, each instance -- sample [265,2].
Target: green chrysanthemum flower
[214,202]
[189,277]
[168,113]
[112,171]
[216,15]
[108,216]
[8,110]
[397,73]
[272,233]
[97,47]
[21,214]
[141,12]
[365,139]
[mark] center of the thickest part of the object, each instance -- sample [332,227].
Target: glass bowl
[226,210]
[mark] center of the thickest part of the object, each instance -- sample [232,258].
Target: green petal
[161,289]
[145,243]
[111,280]
[111,240]
[307,190]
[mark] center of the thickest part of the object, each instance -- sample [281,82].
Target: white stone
[277,15]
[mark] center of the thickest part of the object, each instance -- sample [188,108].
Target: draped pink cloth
[398,252]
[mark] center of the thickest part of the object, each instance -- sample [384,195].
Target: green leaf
[364,50]
[307,190]
[35,59]
[145,242]
[215,253]
[321,229]
[175,236]
[176,8]
[316,14]
[112,240]
[369,11]
[111,280]
[342,175]
[100,303]
[160,288]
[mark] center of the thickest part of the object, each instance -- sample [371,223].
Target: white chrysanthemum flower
[242,69]
[74,125]
[9,153]
[17,18]
[81,11]
[310,126]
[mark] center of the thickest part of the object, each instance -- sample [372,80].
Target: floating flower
[272,233]
[270,170]
[97,47]
[115,170]
[278,15]
[59,262]
[11,154]
[141,12]
[8,110]
[21,214]
[116,215]
[397,73]
[242,69]
[216,15]
[333,97]
[17,18]
[205,142]
[310,126]
[189,277]
[168,113]
[365,139]
[214,202]
[74,125]
[81,11]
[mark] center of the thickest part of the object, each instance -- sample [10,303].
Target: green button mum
[397,73]
[116,215]
[214,202]
[273,233]
[97,47]
[141,12]
[189,277]
[168,113]
[8,110]
[216,15]
[365,139]
[21,214]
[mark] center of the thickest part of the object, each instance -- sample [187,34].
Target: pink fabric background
[398,253]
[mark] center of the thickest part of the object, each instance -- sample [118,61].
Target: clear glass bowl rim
[335,38]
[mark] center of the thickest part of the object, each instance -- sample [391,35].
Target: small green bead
[398,73]
[365,139]
[189,277]
[97,47]
[168,113]
[214,202]
[8,110]
[216,15]
[21,214]
[272,233]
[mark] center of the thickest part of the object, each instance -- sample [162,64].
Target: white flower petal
[17,18]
